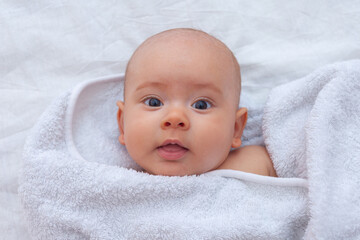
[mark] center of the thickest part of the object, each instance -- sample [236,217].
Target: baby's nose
[175,119]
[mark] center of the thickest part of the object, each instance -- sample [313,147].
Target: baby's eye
[153,102]
[201,104]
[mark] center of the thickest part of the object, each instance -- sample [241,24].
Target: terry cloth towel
[311,129]
[78,182]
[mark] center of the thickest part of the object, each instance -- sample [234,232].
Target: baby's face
[180,113]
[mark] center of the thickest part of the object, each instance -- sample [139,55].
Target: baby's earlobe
[121,139]
[236,143]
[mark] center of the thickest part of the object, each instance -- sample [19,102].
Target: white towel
[312,130]
[78,182]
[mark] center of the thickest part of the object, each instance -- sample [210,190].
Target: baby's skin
[180,113]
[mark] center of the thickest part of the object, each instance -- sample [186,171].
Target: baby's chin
[171,172]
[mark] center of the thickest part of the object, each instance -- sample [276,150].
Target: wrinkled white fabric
[46,47]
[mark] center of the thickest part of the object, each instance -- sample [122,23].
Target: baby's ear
[240,122]
[120,120]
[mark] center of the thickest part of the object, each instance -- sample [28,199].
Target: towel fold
[312,130]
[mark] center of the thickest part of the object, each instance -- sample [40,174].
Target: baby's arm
[252,159]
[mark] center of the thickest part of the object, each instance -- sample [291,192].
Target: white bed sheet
[47,47]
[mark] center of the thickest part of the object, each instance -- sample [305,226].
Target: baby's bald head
[181,38]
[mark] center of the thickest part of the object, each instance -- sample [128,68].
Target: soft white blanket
[76,182]
[312,130]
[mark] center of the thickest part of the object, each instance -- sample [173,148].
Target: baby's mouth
[172,151]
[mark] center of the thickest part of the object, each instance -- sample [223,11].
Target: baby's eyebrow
[207,86]
[191,84]
[151,84]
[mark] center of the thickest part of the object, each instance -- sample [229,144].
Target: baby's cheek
[137,135]
[215,140]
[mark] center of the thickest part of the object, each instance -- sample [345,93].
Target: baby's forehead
[183,39]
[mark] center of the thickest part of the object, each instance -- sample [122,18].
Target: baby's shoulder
[252,159]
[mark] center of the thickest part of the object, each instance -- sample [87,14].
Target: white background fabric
[47,47]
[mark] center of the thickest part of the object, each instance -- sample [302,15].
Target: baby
[180,114]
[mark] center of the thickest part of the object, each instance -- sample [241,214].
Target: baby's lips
[172,151]
[172,142]
[173,148]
